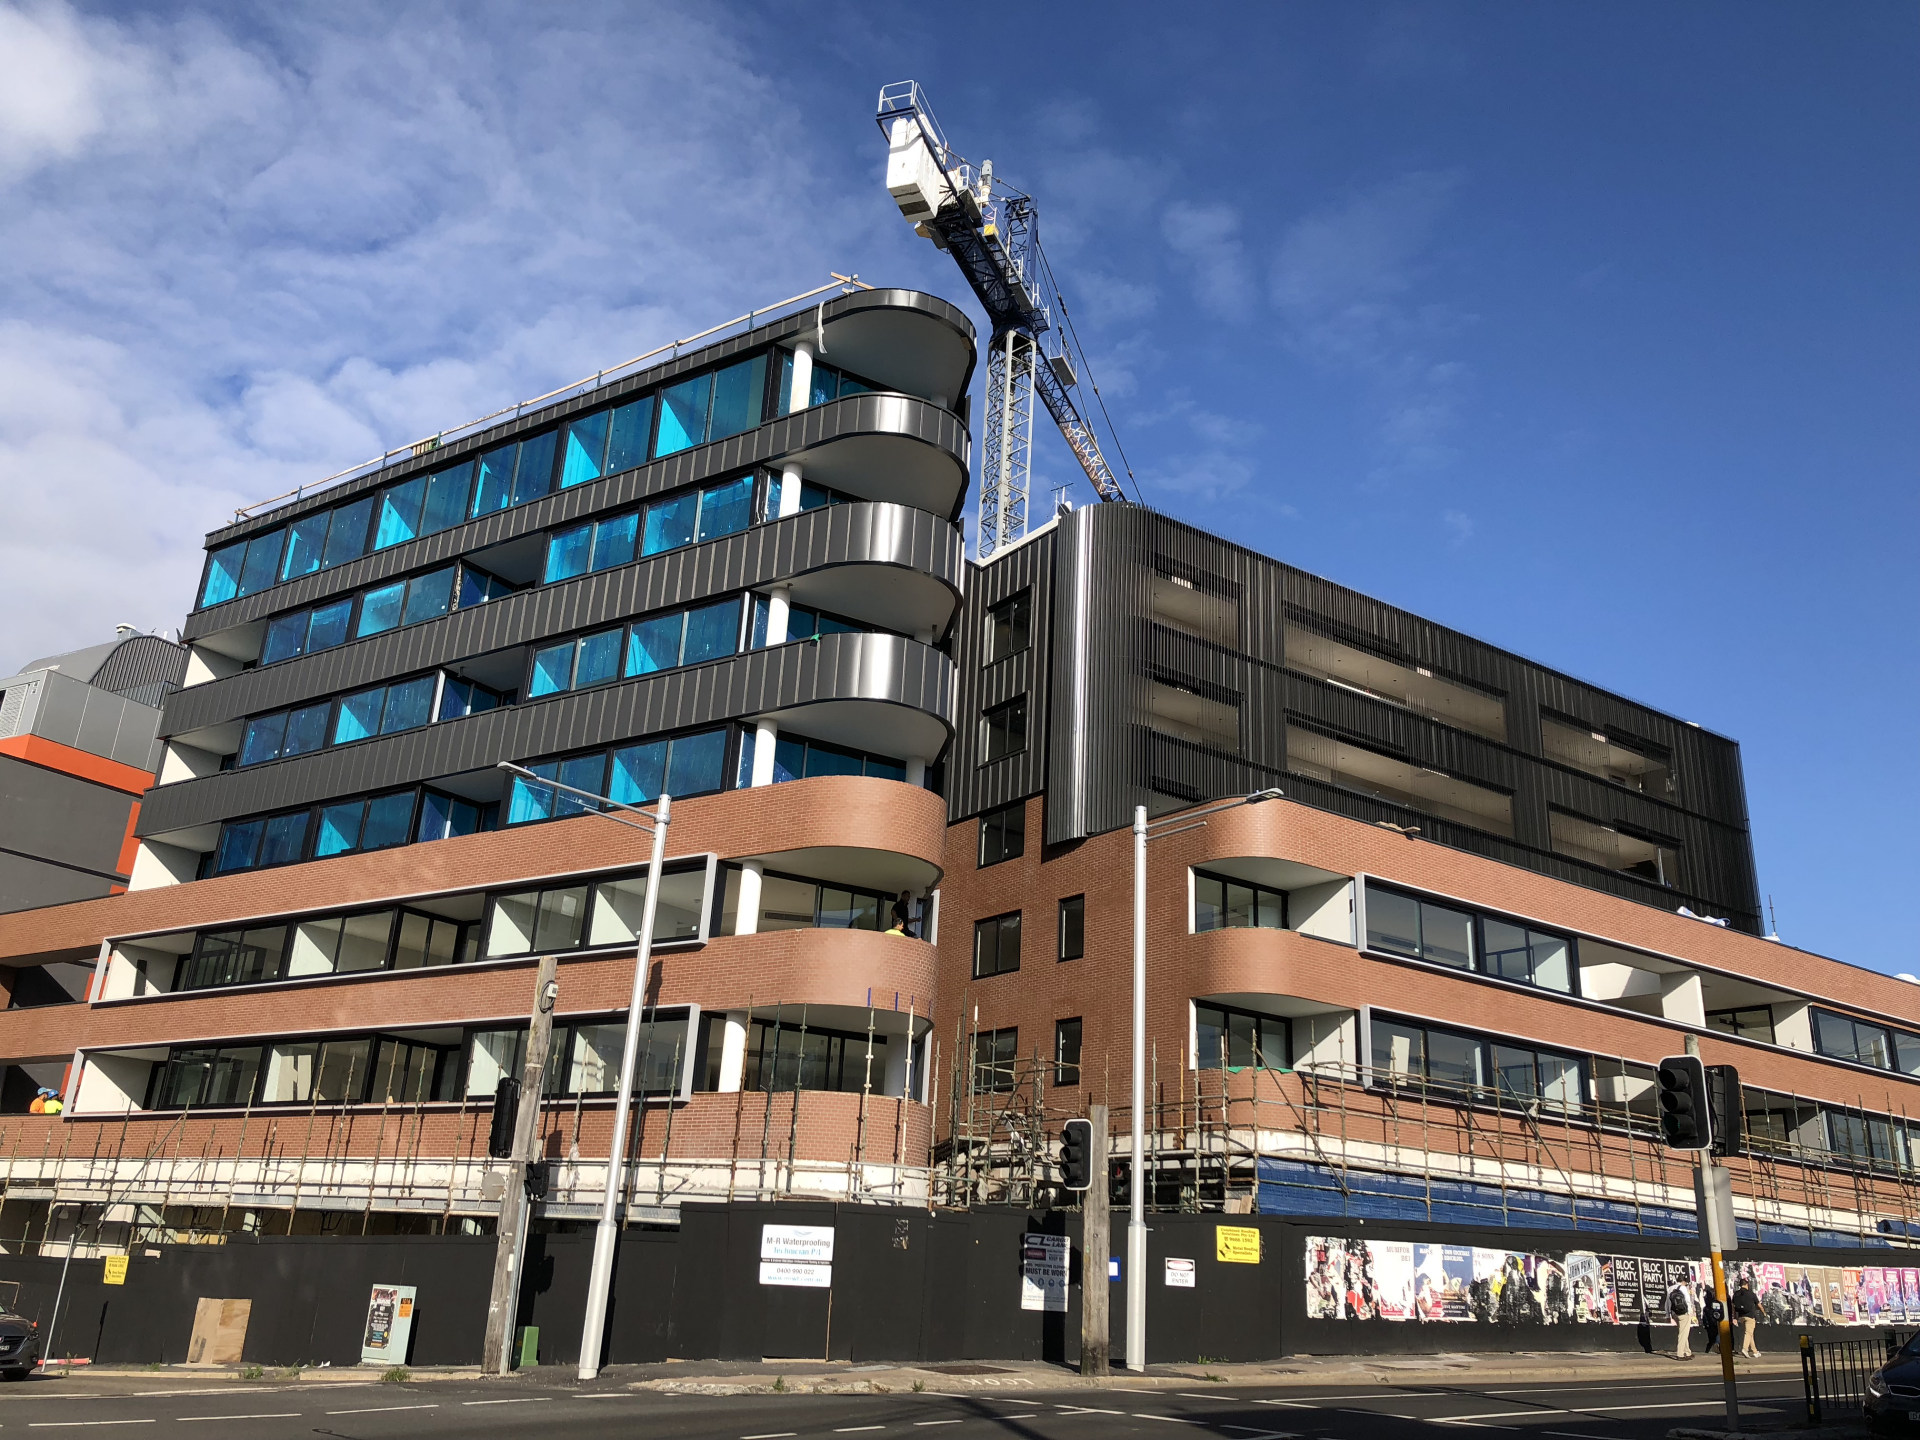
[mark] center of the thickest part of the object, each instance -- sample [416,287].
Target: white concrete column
[733,1050]
[765,735]
[746,914]
[916,771]
[800,391]
[779,603]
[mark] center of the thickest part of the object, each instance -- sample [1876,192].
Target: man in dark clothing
[1745,1306]
[903,914]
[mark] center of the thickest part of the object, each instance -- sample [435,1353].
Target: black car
[19,1346]
[1893,1391]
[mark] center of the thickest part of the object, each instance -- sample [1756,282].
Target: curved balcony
[840,971]
[890,564]
[879,686]
[832,813]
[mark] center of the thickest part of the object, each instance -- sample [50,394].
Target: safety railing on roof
[426,445]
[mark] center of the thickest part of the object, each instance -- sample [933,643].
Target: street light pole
[1136,1272]
[606,1234]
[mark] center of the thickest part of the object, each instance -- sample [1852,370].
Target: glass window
[568,553]
[306,541]
[1455,1060]
[493,1056]
[495,488]
[425,940]
[389,820]
[533,477]
[583,449]
[995,1053]
[1003,834]
[400,512]
[261,567]
[669,523]
[380,608]
[1906,1052]
[627,435]
[1066,1052]
[582,772]
[529,799]
[359,716]
[726,509]
[879,767]
[1399,1050]
[639,773]
[347,533]
[613,541]
[307,728]
[1752,1024]
[329,625]
[409,705]
[654,644]
[442,817]
[286,638]
[1221,903]
[283,839]
[712,631]
[1007,624]
[510,930]
[552,670]
[1004,730]
[234,957]
[594,1065]
[239,844]
[1403,925]
[340,828]
[696,764]
[223,574]
[558,924]
[738,392]
[683,415]
[599,659]
[1073,927]
[429,596]
[996,945]
[446,504]
[1238,1039]
[262,738]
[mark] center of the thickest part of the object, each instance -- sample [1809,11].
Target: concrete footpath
[799,1377]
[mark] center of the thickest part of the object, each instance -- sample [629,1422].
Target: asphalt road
[1637,1410]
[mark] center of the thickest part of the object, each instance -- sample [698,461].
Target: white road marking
[772,1435]
[60,1424]
[1262,1434]
[1087,1410]
[382,1409]
[1170,1419]
[939,1422]
[1583,1410]
[515,1400]
[270,1415]
[1309,1400]
[1189,1395]
[855,1429]
[1575,1435]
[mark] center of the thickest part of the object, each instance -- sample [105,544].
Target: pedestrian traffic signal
[1076,1155]
[506,1116]
[538,1180]
[1725,1104]
[1686,1117]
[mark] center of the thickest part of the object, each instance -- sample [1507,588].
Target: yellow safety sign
[1236,1244]
[116,1270]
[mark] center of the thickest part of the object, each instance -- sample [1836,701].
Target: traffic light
[506,1115]
[1724,1103]
[538,1180]
[1686,1118]
[1076,1155]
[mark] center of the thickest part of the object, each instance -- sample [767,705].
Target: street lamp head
[509,766]
[1272,792]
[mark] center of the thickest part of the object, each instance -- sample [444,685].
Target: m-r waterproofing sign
[797,1255]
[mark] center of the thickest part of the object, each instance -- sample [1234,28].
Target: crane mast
[992,232]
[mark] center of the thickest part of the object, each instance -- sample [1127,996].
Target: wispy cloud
[1207,240]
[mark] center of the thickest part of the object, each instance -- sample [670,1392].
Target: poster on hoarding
[389,1327]
[1442,1278]
[1043,1272]
[1393,1278]
[1586,1289]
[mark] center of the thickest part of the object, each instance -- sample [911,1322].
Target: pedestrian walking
[1746,1310]
[1680,1306]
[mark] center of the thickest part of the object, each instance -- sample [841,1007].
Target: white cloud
[244,252]
[1207,239]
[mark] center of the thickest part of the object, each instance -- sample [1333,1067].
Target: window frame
[1477,918]
[1019,603]
[1006,710]
[998,927]
[1076,906]
[1262,1022]
[995,822]
[1486,1093]
[1061,1036]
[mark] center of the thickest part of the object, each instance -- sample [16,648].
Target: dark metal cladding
[972,786]
[1146,612]
[881,668]
[143,668]
[861,534]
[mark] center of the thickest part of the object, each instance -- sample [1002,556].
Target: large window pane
[389,821]
[340,828]
[306,541]
[428,596]
[712,631]
[262,564]
[307,728]
[510,931]
[613,541]
[557,927]
[568,552]
[286,638]
[328,627]
[363,941]
[599,659]
[495,488]
[582,772]
[552,670]
[654,644]
[262,738]
[683,415]
[737,394]
[639,773]
[493,1056]
[347,533]
[400,512]
[531,800]
[359,716]
[696,764]
[283,838]
[726,509]
[223,574]
[584,449]
[1514,1074]
[1552,968]
[1454,1060]
[239,844]
[669,523]
[230,1077]
[316,947]
[343,1070]
[409,705]
[380,609]
[594,1067]
[1507,952]
[446,498]
[534,475]
[1560,1087]
[627,436]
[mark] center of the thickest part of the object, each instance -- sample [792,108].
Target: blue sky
[1592,330]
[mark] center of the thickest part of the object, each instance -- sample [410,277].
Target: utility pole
[1096,1244]
[510,1233]
[1713,1189]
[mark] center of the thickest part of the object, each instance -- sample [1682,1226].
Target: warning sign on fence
[1236,1244]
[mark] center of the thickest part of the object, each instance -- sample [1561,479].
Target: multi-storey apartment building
[894,934]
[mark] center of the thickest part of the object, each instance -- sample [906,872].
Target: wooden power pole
[510,1233]
[1095,1247]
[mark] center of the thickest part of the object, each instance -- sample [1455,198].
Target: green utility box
[527,1354]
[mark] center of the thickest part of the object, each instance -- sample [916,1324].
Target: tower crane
[993,233]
